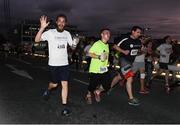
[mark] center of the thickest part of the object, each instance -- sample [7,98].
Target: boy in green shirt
[98,70]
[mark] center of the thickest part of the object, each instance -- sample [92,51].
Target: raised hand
[43,21]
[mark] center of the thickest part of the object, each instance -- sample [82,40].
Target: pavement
[23,81]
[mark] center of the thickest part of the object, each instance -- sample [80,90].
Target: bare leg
[142,79]
[115,80]
[167,77]
[167,81]
[129,87]
[46,93]
[52,85]
[64,92]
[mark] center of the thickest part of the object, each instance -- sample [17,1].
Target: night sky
[162,16]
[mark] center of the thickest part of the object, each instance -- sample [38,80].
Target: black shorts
[163,65]
[103,79]
[58,73]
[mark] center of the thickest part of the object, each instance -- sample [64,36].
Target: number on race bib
[134,52]
[103,69]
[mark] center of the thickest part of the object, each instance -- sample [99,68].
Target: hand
[76,40]
[43,21]
[103,56]
[126,52]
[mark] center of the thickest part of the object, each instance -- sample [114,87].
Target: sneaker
[97,96]
[88,99]
[134,102]
[144,92]
[46,95]
[65,112]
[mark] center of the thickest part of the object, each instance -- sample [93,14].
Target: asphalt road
[22,82]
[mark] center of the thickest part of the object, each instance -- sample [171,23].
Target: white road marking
[85,83]
[20,60]
[19,72]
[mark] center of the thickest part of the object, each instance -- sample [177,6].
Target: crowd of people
[134,53]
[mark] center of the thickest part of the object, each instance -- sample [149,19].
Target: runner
[164,51]
[129,48]
[58,40]
[139,65]
[98,70]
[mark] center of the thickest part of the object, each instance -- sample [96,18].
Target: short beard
[60,30]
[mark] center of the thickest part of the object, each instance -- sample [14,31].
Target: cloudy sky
[162,16]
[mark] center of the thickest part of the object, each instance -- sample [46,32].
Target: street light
[146,29]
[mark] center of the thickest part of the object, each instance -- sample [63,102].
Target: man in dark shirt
[129,47]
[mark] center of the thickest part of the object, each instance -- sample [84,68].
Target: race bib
[61,46]
[134,52]
[103,69]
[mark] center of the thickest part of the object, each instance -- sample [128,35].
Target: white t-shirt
[165,52]
[57,44]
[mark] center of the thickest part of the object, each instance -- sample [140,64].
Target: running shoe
[134,102]
[46,95]
[65,112]
[144,92]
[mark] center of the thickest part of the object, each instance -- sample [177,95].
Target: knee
[142,75]
[64,84]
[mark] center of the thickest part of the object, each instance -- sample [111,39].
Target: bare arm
[44,24]
[93,55]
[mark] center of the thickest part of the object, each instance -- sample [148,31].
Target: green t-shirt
[96,65]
